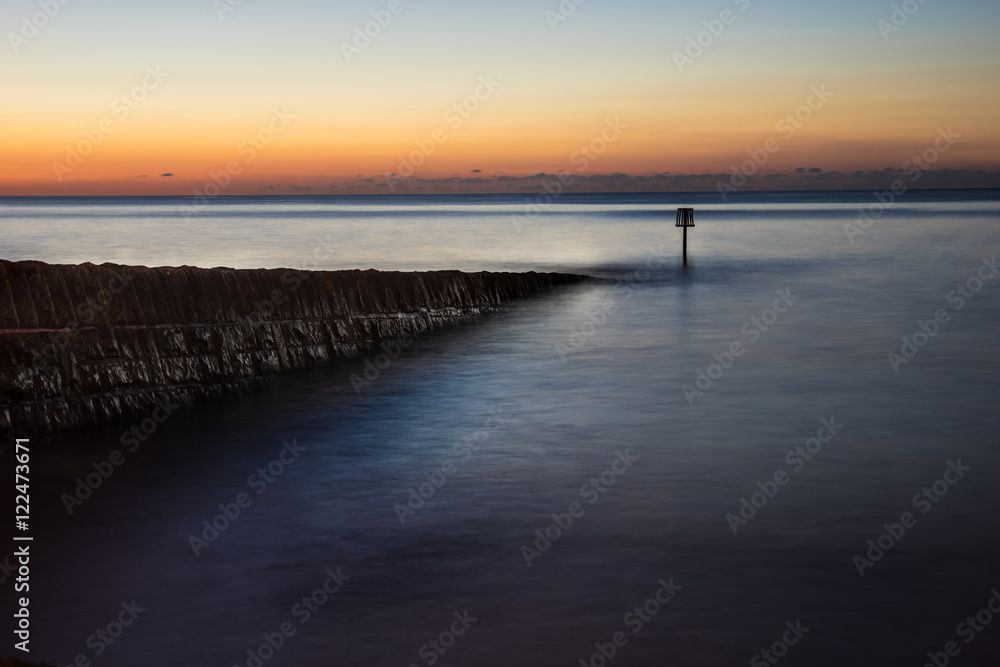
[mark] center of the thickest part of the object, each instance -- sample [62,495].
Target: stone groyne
[85,344]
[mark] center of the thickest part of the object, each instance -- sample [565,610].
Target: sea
[783,450]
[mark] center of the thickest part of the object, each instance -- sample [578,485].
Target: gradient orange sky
[556,84]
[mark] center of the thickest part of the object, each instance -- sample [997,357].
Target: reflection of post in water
[685,219]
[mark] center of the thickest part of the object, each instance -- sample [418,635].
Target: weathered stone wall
[85,344]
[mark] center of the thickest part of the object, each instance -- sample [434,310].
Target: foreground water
[522,412]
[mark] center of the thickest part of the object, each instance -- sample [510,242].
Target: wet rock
[84,344]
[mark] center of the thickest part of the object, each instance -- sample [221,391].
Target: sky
[108,97]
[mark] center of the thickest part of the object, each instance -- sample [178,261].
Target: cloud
[801,178]
[165,175]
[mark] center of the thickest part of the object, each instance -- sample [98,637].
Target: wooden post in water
[685,219]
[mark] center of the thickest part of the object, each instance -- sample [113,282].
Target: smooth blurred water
[565,415]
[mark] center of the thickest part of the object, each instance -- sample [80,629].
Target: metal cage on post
[685,219]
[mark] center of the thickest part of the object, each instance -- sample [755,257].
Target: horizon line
[501,194]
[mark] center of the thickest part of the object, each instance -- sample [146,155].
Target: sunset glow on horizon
[110,98]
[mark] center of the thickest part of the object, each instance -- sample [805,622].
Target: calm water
[551,401]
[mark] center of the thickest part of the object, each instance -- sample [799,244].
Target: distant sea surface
[737,429]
